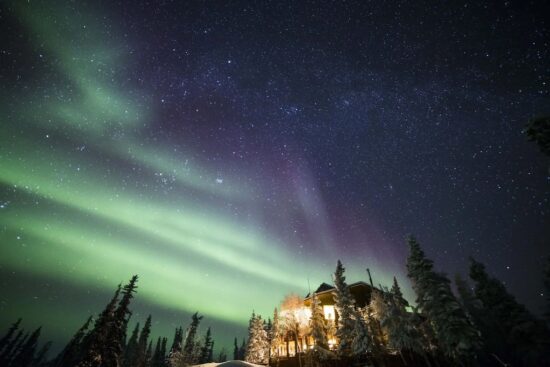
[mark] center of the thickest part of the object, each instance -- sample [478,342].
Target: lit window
[329,312]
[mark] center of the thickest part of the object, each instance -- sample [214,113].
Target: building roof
[325,288]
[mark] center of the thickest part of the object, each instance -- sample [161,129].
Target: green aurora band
[71,153]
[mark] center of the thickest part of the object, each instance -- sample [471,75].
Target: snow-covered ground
[229,364]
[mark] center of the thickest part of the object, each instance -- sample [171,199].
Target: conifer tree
[236,354]
[242,350]
[40,358]
[362,338]
[141,350]
[318,325]
[376,349]
[149,354]
[379,308]
[344,305]
[163,350]
[399,326]
[521,336]
[177,342]
[73,351]
[156,354]
[117,333]
[176,351]
[457,337]
[194,359]
[222,356]
[257,350]
[11,331]
[211,352]
[18,347]
[207,348]
[96,341]
[274,335]
[131,350]
[373,313]
[268,329]
[395,291]
[26,353]
[189,343]
[11,348]
[471,304]
[251,323]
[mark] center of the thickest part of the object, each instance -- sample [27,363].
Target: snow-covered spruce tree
[376,347]
[379,307]
[194,359]
[189,345]
[399,327]
[184,351]
[344,305]
[318,324]
[206,351]
[250,335]
[175,355]
[395,291]
[257,350]
[274,335]
[318,327]
[471,304]
[375,310]
[519,334]
[458,339]
[269,330]
[362,339]
[222,356]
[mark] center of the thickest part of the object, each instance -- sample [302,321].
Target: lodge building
[298,339]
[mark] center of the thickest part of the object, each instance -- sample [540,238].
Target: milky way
[230,154]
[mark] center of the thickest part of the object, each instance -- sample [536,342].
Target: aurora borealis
[230,153]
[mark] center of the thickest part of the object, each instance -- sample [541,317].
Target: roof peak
[325,287]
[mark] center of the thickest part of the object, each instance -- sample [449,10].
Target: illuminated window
[329,312]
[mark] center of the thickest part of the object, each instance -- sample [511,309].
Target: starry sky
[230,152]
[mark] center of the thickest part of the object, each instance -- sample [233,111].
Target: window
[329,312]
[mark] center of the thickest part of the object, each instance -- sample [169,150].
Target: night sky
[230,152]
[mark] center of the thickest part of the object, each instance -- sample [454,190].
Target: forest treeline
[478,324]
[104,342]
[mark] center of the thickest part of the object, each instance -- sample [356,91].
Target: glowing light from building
[328,312]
